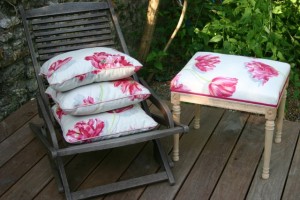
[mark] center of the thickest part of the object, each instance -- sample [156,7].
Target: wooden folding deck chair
[59,28]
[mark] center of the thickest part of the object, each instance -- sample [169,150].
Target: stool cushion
[238,78]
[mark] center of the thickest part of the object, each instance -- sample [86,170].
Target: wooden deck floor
[222,160]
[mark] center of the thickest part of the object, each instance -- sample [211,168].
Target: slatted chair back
[71,26]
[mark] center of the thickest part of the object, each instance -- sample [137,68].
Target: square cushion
[99,97]
[81,67]
[89,128]
[238,78]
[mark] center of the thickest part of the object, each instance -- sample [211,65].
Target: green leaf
[277,10]
[216,38]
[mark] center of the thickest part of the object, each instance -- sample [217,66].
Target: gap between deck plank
[237,175]
[191,146]
[280,162]
[10,125]
[210,164]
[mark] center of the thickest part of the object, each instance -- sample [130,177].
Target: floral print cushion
[99,97]
[238,78]
[111,124]
[81,67]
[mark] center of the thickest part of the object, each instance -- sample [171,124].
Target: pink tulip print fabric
[260,71]
[115,123]
[240,78]
[72,69]
[222,87]
[103,60]
[99,97]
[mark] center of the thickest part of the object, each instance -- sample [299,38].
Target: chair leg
[56,175]
[280,118]
[269,131]
[176,117]
[63,176]
[197,117]
[165,162]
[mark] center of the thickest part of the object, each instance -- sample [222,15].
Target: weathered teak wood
[237,175]
[138,166]
[63,27]
[293,184]
[9,125]
[214,157]
[282,155]
[270,114]
[16,141]
[20,178]
[191,146]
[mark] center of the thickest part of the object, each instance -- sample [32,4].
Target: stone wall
[17,84]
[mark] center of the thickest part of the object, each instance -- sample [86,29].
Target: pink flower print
[59,113]
[207,62]
[128,85]
[102,60]
[222,86]
[81,77]
[85,130]
[119,110]
[261,71]
[88,101]
[56,65]
[176,86]
[137,68]
[139,96]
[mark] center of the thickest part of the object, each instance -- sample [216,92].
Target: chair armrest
[162,106]
[48,122]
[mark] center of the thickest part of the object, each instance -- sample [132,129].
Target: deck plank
[242,164]
[31,183]
[293,183]
[191,145]
[10,125]
[280,162]
[187,114]
[85,162]
[22,162]
[17,141]
[214,156]
[217,161]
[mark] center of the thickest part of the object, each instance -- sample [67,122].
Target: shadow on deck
[221,160]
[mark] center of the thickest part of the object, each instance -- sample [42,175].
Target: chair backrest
[63,27]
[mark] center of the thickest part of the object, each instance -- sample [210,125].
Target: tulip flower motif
[176,86]
[103,60]
[56,65]
[59,113]
[207,62]
[88,101]
[222,86]
[85,130]
[81,77]
[261,71]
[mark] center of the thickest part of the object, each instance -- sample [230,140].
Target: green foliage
[259,28]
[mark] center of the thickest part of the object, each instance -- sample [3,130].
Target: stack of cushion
[94,94]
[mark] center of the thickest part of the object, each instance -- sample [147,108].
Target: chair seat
[231,77]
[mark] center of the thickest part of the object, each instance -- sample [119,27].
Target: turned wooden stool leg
[279,122]
[269,130]
[176,116]
[197,117]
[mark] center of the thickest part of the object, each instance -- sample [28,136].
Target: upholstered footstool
[233,82]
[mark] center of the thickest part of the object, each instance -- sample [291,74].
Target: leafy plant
[258,28]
